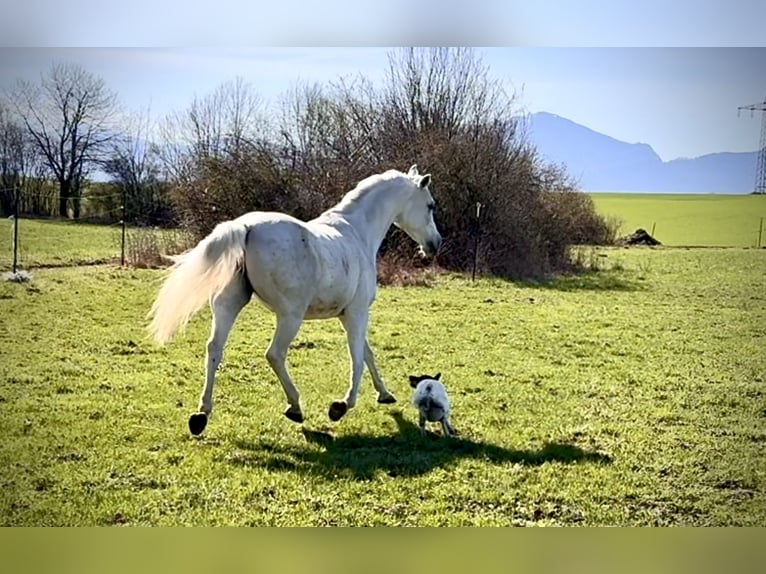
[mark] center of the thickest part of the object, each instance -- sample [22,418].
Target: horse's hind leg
[226,306]
[384,396]
[287,328]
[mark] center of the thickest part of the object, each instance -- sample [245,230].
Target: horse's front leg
[355,324]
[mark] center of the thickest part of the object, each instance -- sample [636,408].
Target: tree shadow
[407,453]
[586,281]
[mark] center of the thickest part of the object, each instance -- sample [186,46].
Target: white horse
[299,270]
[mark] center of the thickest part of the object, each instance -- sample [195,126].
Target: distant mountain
[603,163]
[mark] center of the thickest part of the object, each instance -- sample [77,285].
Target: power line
[760,169]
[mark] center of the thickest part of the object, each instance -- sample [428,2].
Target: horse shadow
[406,453]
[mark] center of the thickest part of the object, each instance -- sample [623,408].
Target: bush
[148,247]
[438,108]
[232,184]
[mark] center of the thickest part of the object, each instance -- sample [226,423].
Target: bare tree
[327,132]
[226,121]
[218,155]
[22,170]
[133,165]
[11,161]
[68,114]
[445,89]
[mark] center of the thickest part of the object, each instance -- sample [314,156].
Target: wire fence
[31,241]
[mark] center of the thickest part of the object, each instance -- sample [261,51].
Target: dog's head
[415,379]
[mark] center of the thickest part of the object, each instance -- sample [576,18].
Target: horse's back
[267,218]
[291,263]
[277,245]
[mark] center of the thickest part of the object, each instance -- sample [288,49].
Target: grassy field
[53,243]
[630,396]
[50,243]
[689,220]
[679,220]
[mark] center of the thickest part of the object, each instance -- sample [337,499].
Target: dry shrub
[585,258]
[228,186]
[572,219]
[397,271]
[148,247]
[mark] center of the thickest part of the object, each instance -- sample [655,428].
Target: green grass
[679,220]
[689,220]
[53,243]
[57,243]
[632,396]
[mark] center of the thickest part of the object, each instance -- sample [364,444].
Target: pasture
[629,396]
[53,243]
[688,220]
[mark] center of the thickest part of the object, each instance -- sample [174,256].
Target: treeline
[229,153]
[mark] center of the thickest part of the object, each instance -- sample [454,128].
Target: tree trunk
[64,194]
[7,185]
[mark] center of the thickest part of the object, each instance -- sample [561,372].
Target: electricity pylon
[760,168]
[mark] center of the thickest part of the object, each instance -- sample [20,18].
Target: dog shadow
[407,453]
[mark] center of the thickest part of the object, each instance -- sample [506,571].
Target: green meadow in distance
[688,220]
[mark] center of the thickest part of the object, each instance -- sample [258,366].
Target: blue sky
[669,73]
[682,101]
[595,23]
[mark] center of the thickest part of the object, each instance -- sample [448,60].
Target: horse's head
[417,217]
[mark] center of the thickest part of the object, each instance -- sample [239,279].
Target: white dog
[430,397]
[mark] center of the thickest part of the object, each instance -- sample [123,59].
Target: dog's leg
[422,423]
[447,427]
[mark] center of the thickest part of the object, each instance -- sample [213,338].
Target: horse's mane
[366,186]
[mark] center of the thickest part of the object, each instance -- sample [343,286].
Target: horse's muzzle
[432,247]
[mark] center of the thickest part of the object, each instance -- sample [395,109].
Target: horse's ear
[414,381]
[425,180]
[437,376]
[413,170]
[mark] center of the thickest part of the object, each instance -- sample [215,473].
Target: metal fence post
[124,207]
[476,240]
[16,193]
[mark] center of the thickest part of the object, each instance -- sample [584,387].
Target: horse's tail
[196,277]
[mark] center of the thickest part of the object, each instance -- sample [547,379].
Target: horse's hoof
[197,423]
[294,414]
[337,410]
[386,399]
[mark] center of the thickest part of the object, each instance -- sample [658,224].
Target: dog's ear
[414,381]
[437,376]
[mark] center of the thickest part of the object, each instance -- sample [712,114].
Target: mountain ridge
[603,163]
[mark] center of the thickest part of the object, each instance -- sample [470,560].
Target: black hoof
[337,410]
[387,400]
[197,423]
[294,415]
